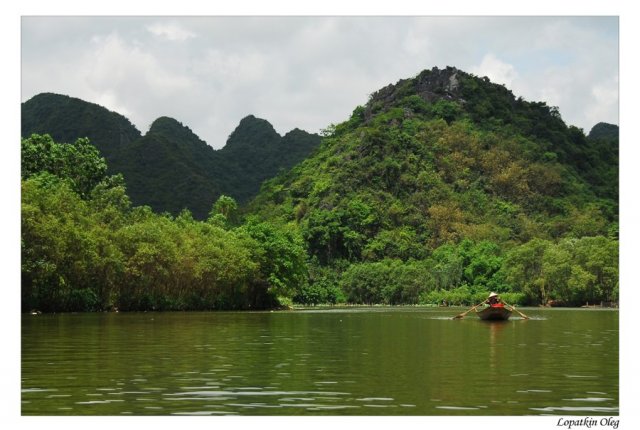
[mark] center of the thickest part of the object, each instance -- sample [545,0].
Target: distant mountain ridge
[170,168]
[602,130]
[67,118]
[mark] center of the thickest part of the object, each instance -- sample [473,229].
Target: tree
[281,257]
[482,261]
[79,162]
[69,262]
[523,270]
[557,272]
[226,207]
[598,256]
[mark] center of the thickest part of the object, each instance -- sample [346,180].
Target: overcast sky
[309,72]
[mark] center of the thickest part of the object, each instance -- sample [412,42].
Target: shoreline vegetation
[441,189]
[327,306]
[86,248]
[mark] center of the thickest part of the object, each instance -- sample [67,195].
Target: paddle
[514,309]
[465,313]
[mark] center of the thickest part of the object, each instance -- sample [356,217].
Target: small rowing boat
[494,312]
[492,309]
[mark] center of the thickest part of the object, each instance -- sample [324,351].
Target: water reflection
[495,343]
[380,362]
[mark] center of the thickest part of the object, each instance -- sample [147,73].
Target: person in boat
[494,300]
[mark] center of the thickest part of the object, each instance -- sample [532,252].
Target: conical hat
[493,295]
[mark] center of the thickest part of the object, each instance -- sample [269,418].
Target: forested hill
[67,119]
[455,94]
[447,181]
[602,130]
[170,168]
[602,147]
[255,152]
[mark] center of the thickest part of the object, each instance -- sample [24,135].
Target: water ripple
[38,390]
[534,391]
[98,402]
[576,409]
[217,364]
[373,399]
[252,393]
[591,399]
[581,376]
[458,408]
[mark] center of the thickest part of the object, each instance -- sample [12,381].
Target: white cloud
[231,67]
[115,62]
[170,31]
[496,70]
[308,72]
[124,77]
[605,101]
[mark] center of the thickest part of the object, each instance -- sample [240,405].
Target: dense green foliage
[602,130]
[438,183]
[572,271]
[84,247]
[67,119]
[79,162]
[170,168]
[255,152]
[440,189]
[602,153]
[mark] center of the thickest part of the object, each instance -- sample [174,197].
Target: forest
[439,189]
[86,248]
[170,168]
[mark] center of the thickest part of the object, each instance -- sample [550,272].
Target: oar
[464,313]
[514,309]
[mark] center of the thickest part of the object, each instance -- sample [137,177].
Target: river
[342,361]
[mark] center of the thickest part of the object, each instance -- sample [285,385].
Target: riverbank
[323,306]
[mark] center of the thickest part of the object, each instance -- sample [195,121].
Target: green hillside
[255,152]
[170,168]
[602,130]
[602,148]
[444,179]
[67,119]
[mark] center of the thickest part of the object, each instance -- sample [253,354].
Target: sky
[310,72]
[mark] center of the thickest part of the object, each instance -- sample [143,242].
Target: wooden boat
[497,312]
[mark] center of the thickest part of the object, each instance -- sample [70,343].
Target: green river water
[344,361]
